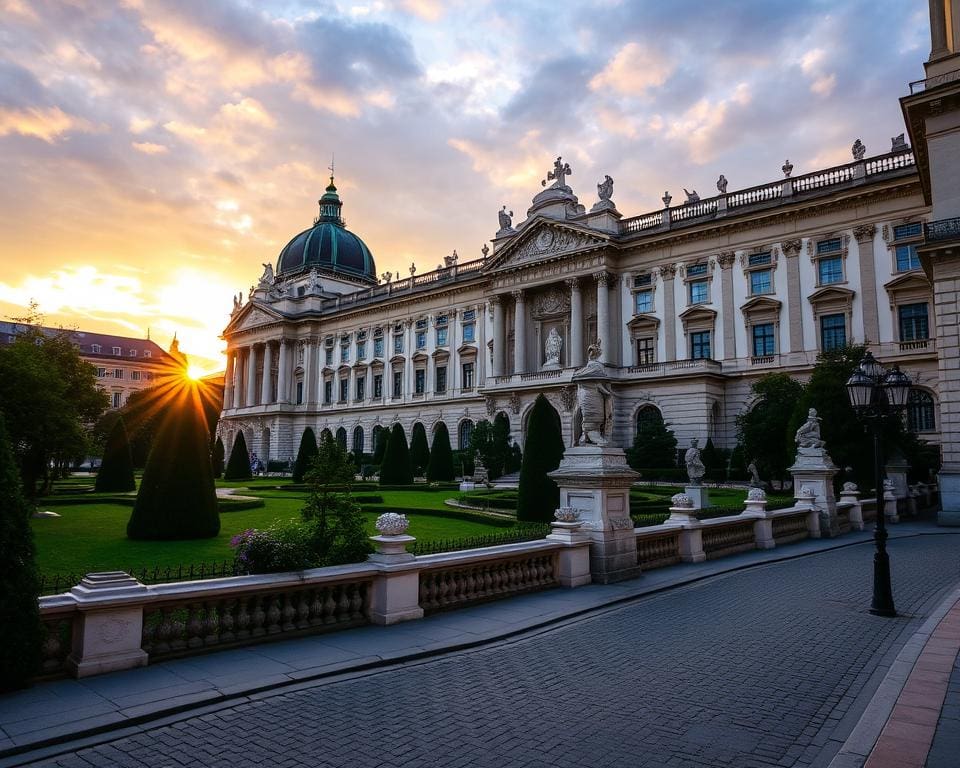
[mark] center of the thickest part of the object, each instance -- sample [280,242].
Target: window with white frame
[697,278]
[833,332]
[95,349]
[906,238]
[700,345]
[829,260]
[117,351]
[135,375]
[764,339]
[914,324]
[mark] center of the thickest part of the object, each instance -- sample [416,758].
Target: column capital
[496,299]
[791,248]
[725,259]
[602,278]
[517,294]
[668,271]
[573,283]
[865,232]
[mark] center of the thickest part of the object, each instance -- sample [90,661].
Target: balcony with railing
[942,231]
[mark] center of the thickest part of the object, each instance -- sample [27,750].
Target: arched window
[648,415]
[466,430]
[358,440]
[921,416]
[342,438]
[378,434]
[326,434]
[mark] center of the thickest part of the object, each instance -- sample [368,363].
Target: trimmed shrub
[654,446]
[380,437]
[116,471]
[441,456]
[219,454]
[538,496]
[177,497]
[419,452]
[305,454]
[396,468]
[19,581]
[238,468]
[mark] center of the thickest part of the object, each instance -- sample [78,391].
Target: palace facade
[690,303]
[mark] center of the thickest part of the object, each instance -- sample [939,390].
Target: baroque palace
[690,304]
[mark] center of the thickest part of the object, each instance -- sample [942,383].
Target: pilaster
[868,281]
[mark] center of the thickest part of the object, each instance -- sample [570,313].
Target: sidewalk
[67,710]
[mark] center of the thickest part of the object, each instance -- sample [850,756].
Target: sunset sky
[154,154]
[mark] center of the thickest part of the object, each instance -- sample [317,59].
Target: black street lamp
[877,394]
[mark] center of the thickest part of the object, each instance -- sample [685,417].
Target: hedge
[452,513]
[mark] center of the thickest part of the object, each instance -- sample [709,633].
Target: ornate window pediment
[697,317]
[761,307]
[398,359]
[644,322]
[467,350]
[831,297]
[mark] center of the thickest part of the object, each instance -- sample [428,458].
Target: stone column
[575,357]
[791,251]
[310,372]
[938,31]
[499,337]
[519,333]
[725,260]
[603,315]
[409,373]
[228,379]
[868,281]
[283,385]
[251,388]
[667,273]
[239,396]
[480,374]
[266,378]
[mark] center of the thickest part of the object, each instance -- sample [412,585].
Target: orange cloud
[149,148]
[46,124]
[633,71]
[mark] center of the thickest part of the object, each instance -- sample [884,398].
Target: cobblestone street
[755,668]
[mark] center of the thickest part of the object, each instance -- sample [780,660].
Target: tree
[116,469]
[238,467]
[177,498]
[654,445]
[396,468]
[218,456]
[419,451]
[762,429]
[441,456]
[380,436]
[492,442]
[48,396]
[19,580]
[538,495]
[306,453]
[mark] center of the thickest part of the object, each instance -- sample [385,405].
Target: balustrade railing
[821,179]
[727,537]
[754,195]
[658,549]
[640,223]
[694,210]
[538,375]
[790,527]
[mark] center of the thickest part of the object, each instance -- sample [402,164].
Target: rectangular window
[907,257]
[118,373]
[327,391]
[700,345]
[135,375]
[421,324]
[133,353]
[116,350]
[760,282]
[758,259]
[378,348]
[329,357]
[469,315]
[421,339]
[699,293]
[441,379]
[344,353]
[344,383]
[361,350]
[913,322]
[94,348]
[469,333]
[300,393]
[644,301]
[420,381]
[830,270]
[695,270]
[829,246]
[398,343]
[397,383]
[641,280]
[646,351]
[468,376]
[361,387]
[833,332]
[377,386]
[117,397]
[441,337]
[146,353]
[763,340]
[101,373]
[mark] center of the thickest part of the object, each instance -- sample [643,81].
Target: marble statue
[595,400]
[808,436]
[754,474]
[722,184]
[413,270]
[558,175]
[787,168]
[692,196]
[552,348]
[605,188]
[898,144]
[858,150]
[267,276]
[667,197]
[695,468]
[485,250]
[506,219]
[451,260]
[237,301]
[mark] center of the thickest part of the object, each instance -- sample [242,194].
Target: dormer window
[95,349]
[147,353]
[133,353]
[117,351]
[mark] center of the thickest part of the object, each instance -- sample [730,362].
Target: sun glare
[195,373]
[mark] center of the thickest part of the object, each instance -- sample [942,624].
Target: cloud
[47,124]
[149,148]
[633,71]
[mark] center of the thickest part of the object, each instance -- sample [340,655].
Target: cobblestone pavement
[755,668]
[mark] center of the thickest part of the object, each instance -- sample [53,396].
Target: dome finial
[330,167]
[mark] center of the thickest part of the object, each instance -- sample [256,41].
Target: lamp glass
[896,385]
[871,367]
[860,389]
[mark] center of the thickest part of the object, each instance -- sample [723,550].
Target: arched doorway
[358,440]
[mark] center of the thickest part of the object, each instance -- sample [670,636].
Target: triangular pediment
[761,304]
[252,316]
[908,280]
[544,240]
[831,293]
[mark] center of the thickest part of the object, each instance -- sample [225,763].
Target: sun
[195,373]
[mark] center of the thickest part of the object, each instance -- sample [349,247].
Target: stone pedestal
[595,480]
[699,495]
[467,485]
[756,507]
[815,471]
[395,594]
[574,561]
[890,502]
[107,639]
[851,496]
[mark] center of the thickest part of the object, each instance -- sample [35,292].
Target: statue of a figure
[695,468]
[413,270]
[808,436]
[605,188]
[754,475]
[898,144]
[595,400]
[451,260]
[267,276]
[552,348]
[722,184]
[485,250]
[858,150]
[314,278]
[237,301]
[692,196]
[558,175]
[506,219]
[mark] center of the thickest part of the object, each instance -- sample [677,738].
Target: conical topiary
[419,451]
[238,468]
[218,457]
[177,497]
[19,583]
[116,469]
[396,468]
[440,467]
[538,496]
[380,437]
[305,455]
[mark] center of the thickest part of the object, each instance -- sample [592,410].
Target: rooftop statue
[506,219]
[267,276]
[722,184]
[692,197]
[595,400]
[558,175]
[898,144]
[858,150]
[695,468]
[605,188]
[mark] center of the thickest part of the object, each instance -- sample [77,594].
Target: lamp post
[877,394]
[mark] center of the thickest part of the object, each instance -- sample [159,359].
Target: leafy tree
[763,429]
[48,396]
[238,466]
[654,445]
[441,456]
[396,468]
[419,451]
[218,457]
[116,470]
[305,455]
[177,498]
[492,442]
[538,496]
[19,580]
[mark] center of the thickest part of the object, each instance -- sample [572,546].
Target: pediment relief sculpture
[545,241]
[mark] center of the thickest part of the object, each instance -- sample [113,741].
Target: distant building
[123,365]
